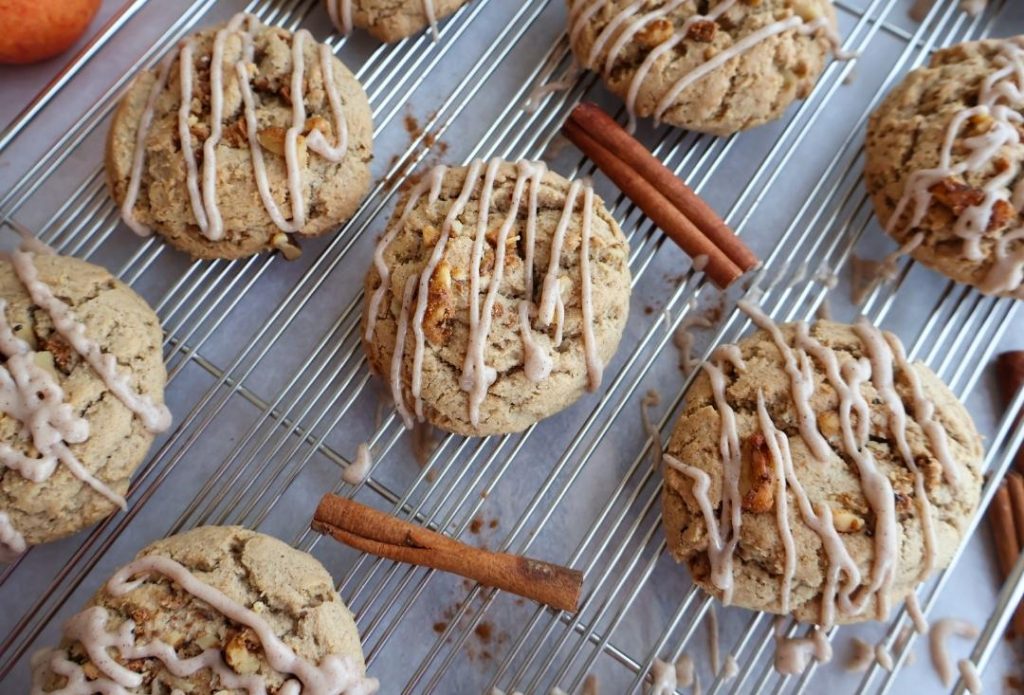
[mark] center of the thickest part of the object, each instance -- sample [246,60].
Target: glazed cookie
[81,394]
[390,20]
[815,471]
[505,288]
[736,66]
[219,609]
[944,156]
[249,139]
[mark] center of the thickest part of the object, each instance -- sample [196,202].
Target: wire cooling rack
[271,394]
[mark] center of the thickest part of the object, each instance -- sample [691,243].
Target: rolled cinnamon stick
[614,137]
[1015,485]
[1004,534]
[1010,370]
[377,533]
[722,271]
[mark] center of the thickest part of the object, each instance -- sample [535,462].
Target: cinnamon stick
[614,137]
[1010,372]
[720,269]
[377,533]
[1004,534]
[1015,485]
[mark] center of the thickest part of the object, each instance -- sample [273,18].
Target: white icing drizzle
[139,154]
[972,679]
[713,650]
[719,554]
[340,12]
[916,614]
[595,368]
[937,636]
[883,657]
[663,675]
[819,519]
[629,21]
[801,378]
[477,376]
[432,183]
[683,337]
[778,447]
[155,416]
[924,411]
[399,351]
[793,654]
[685,671]
[1000,99]
[202,185]
[357,471]
[12,543]
[650,400]
[424,280]
[333,676]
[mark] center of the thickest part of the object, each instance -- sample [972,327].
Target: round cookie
[388,20]
[736,66]
[236,611]
[857,512]
[959,217]
[533,359]
[37,505]
[242,203]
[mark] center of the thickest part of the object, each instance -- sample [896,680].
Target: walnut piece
[654,33]
[702,32]
[237,134]
[846,521]
[756,477]
[289,249]
[956,195]
[240,652]
[63,356]
[439,305]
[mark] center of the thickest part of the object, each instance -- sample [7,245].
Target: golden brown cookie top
[880,494]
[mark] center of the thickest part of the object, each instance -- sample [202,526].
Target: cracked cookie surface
[287,588]
[393,20]
[331,191]
[749,89]
[513,402]
[124,326]
[906,134]
[760,556]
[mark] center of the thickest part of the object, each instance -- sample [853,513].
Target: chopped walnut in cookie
[241,651]
[64,357]
[439,305]
[756,479]
[702,32]
[656,32]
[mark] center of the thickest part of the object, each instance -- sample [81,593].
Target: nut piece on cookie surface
[842,508]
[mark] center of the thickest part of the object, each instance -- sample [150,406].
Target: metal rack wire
[304,392]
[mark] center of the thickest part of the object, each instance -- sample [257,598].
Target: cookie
[220,156]
[738,65]
[944,154]
[815,471]
[81,394]
[217,609]
[388,20]
[505,288]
